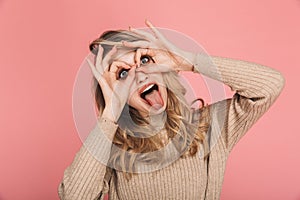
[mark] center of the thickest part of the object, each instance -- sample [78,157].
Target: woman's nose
[141,77]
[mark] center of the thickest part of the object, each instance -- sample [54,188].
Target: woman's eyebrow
[131,64]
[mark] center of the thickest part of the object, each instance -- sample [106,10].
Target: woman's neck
[158,121]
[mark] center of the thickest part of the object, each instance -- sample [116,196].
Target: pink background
[44,42]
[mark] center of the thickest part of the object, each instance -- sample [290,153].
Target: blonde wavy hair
[180,117]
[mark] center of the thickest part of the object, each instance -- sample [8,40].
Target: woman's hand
[115,80]
[164,53]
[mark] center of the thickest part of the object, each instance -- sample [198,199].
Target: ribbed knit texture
[256,87]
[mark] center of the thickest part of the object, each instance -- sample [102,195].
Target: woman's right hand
[166,54]
[115,89]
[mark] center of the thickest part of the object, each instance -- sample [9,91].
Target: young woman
[149,143]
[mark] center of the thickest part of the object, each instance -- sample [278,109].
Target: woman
[149,143]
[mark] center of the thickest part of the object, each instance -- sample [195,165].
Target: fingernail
[147,22]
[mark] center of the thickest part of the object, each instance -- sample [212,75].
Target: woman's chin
[155,109]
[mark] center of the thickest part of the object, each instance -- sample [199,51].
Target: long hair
[186,132]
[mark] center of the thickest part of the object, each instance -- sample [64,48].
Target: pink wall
[44,42]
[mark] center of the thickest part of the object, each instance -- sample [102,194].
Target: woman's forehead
[125,56]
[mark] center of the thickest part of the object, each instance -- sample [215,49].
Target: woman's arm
[256,87]
[84,178]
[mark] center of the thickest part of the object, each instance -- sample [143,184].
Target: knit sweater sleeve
[85,177]
[256,88]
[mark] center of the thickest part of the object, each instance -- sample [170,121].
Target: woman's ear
[94,49]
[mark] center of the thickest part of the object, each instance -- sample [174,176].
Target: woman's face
[148,93]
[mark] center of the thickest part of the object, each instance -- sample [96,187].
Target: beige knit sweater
[256,87]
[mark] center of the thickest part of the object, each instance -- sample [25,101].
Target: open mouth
[150,93]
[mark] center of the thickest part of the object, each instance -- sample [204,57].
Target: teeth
[148,88]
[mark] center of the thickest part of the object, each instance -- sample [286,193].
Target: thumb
[131,76]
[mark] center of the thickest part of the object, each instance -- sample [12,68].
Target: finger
[106,59]
[99,77]
[105,87]
[154,68]
[103,84]
[94,70]
[144,34]
[157,33]
[122,86]
[118,64]
[131,75]
[137,57]
[153,29]
[136,44]
[99,59]
[141,52]
[131,72]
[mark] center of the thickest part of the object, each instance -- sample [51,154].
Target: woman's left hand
[164,53]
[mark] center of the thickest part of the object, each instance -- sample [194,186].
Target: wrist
[188,61]
[187,66]
[108,127]
[109,115]
[196,62]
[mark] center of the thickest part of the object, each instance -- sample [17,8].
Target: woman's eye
[123,73]
[145,60]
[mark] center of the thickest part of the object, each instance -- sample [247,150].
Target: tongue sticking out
[154,99]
